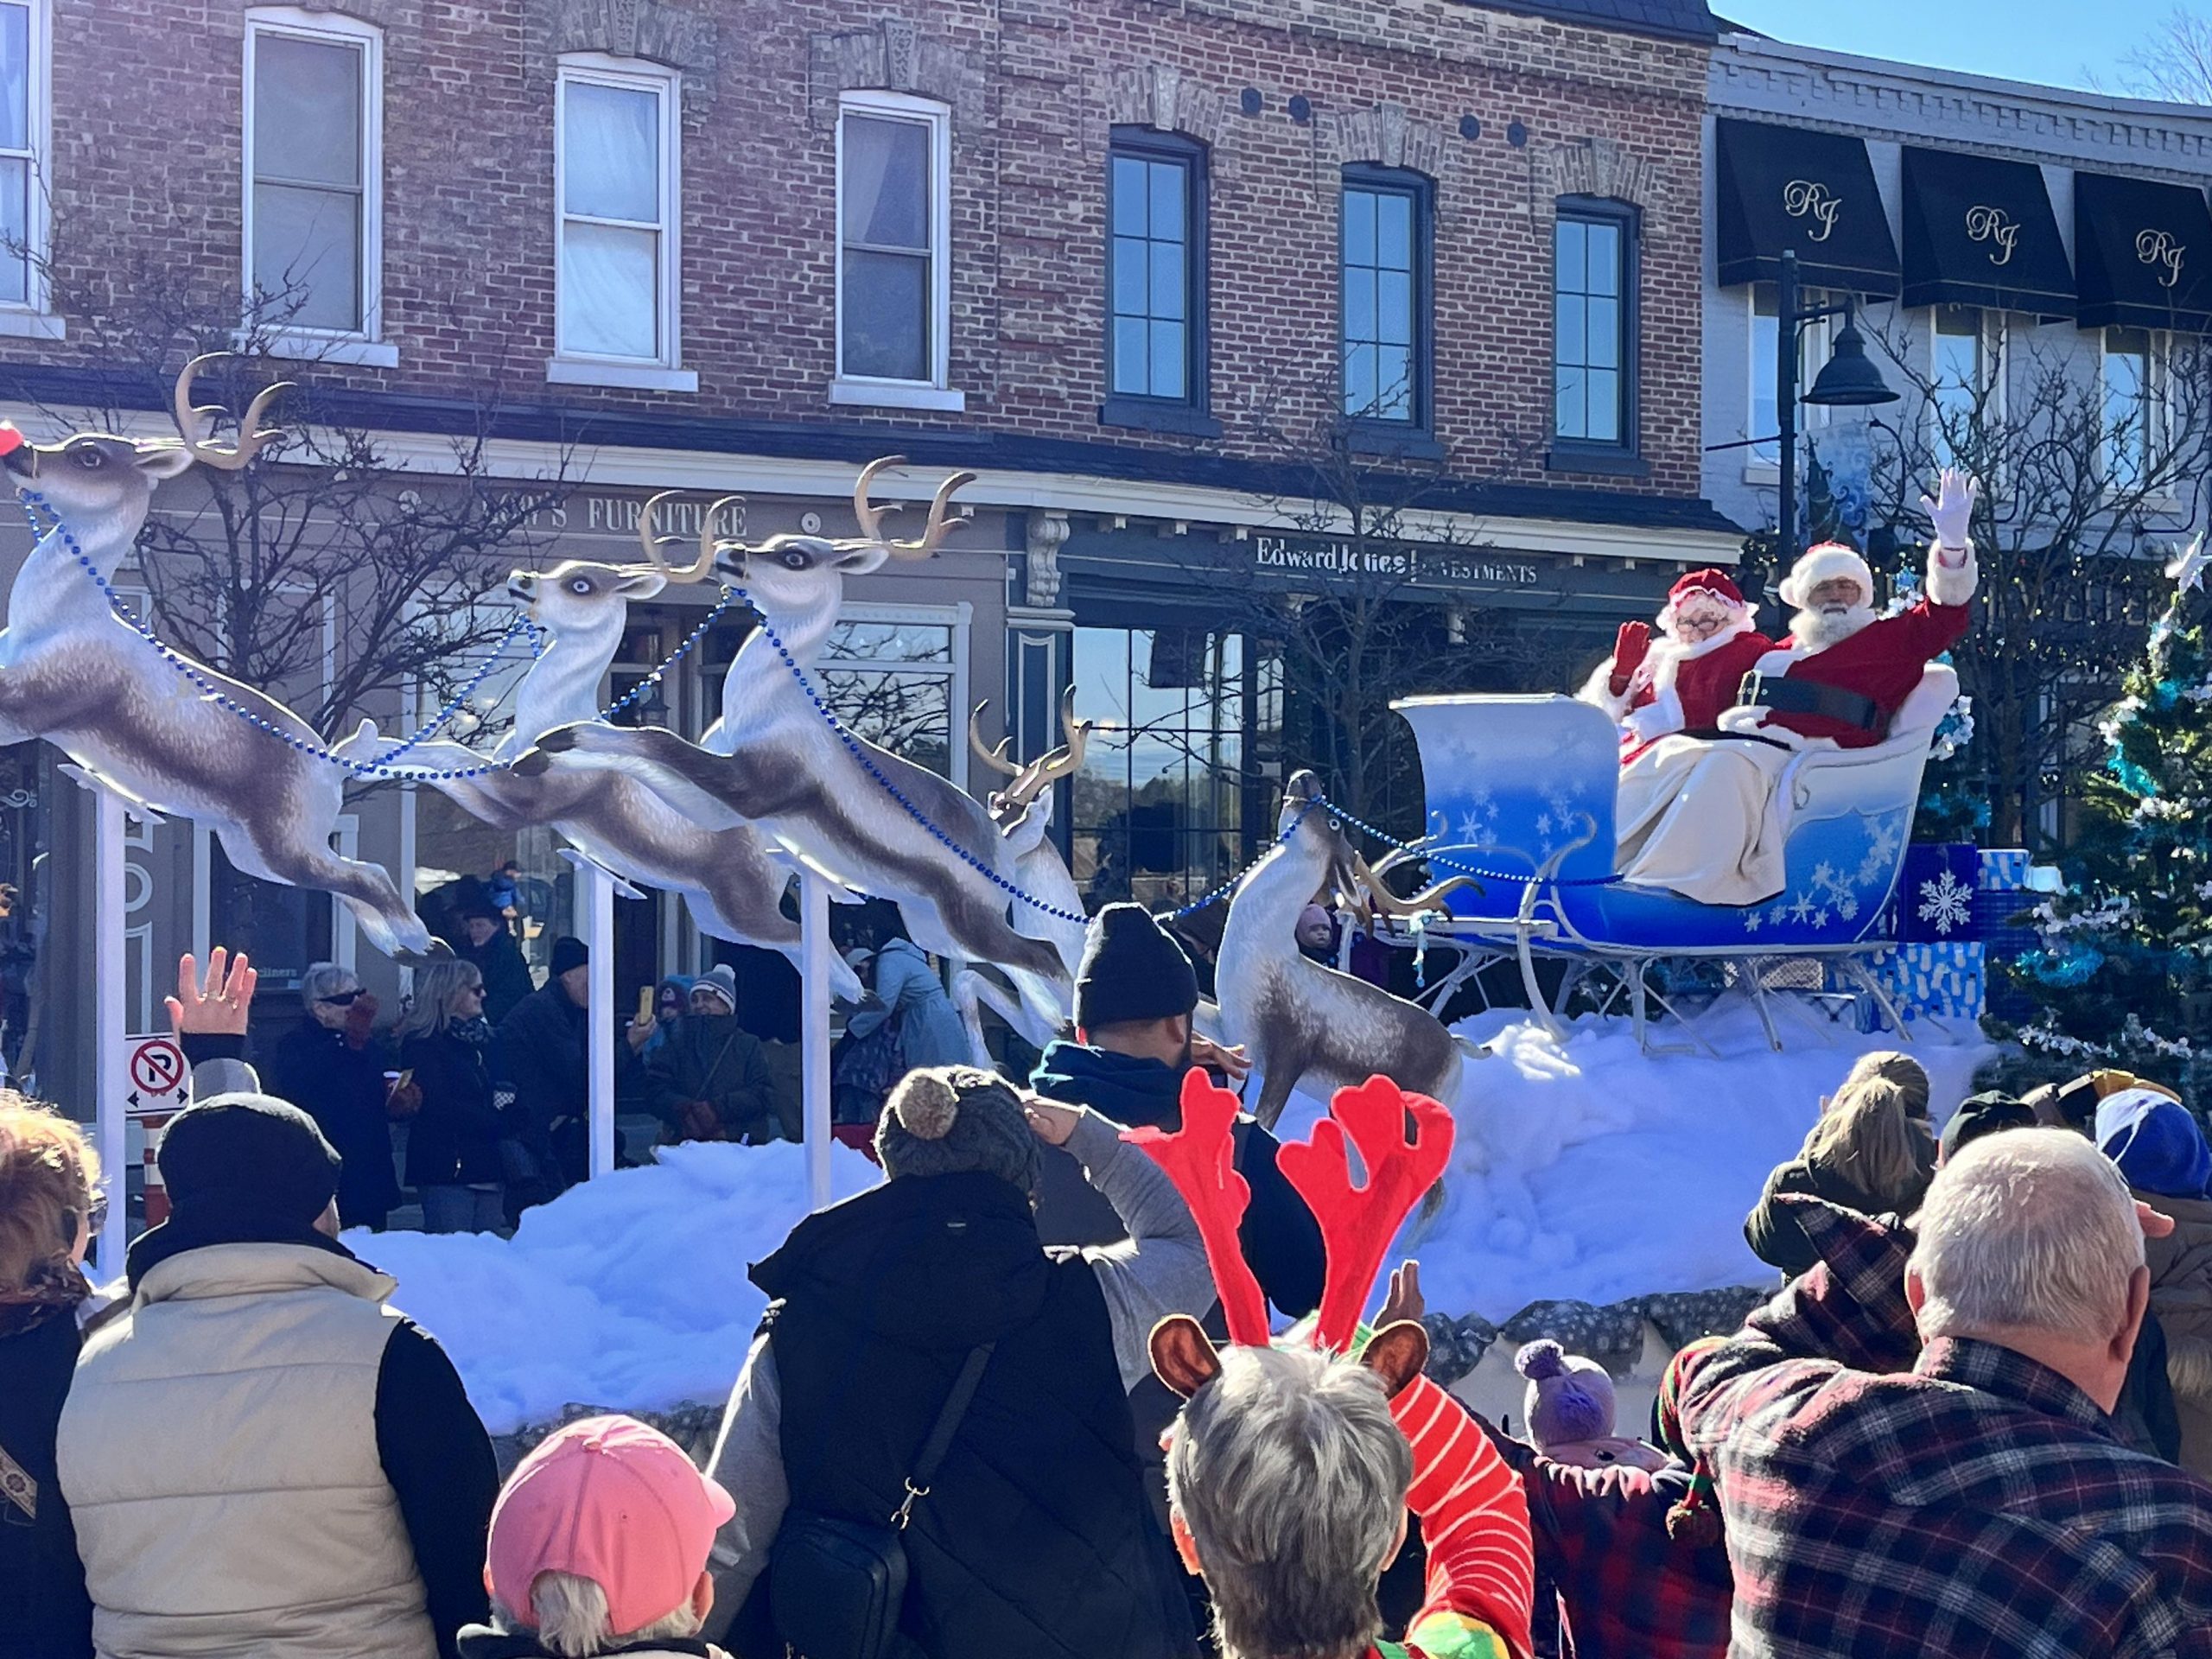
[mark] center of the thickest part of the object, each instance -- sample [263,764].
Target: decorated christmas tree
[2123,973]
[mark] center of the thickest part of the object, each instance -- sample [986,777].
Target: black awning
[1980,232]
[1782,188]
[2142,254]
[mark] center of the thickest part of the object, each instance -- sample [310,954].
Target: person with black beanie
[1134,994]
[259,1456]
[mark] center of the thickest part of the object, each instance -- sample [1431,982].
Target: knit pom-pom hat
[942,1120]
[1569,1399]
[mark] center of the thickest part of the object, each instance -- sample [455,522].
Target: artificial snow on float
[1584,1170]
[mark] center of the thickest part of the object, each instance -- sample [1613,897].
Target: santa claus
[1683,680]
[1703,818]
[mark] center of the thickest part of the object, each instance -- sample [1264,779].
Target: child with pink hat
[598,1546]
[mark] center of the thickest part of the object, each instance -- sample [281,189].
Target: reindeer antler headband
[1357,1222]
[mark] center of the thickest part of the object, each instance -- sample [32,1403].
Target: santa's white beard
[1818,630]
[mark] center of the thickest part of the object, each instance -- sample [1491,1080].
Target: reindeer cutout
[75,674]
[1299,1019]
[774,760]
[1404,1141]
[1023,812]
[724,875]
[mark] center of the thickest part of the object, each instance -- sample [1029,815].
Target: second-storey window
[1384,268]
[1966,384]
[1593,327]
[618,190]
[23,123]
[894,295]
[1155,263]
[2134,368]
[313,162]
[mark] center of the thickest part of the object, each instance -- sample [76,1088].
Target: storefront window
[889,679]
[1160,806]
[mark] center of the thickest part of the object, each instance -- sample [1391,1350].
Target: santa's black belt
[1788,696]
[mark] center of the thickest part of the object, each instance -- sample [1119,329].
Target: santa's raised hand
[1952,510]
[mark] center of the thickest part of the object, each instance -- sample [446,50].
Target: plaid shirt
[1887,1503]
[1626,1590]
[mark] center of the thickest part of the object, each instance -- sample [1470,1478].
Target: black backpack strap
[948,1424]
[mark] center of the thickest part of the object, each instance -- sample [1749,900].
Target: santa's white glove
[1743,717]
[1951,511]
[1650,723]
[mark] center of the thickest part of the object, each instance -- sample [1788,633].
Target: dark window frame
[1589,454]
[1413,436]
[1189,414]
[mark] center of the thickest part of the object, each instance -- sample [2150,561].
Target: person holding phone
[338,1068]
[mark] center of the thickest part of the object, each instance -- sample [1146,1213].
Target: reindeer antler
[196,422]
[870,515]
[1357,1224]
[710,541]
[1200,1160]
[1033,780]
[1381,901]
[994,759]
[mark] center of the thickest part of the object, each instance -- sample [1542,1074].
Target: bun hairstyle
[47,1178]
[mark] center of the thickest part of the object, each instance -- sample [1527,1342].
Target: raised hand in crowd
[219,1005]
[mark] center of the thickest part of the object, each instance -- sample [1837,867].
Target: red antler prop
[1357,1224]
[1199,1158]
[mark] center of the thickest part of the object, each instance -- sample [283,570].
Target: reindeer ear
[1183,1355]
[164,460]
[643,584]
[1396,1354]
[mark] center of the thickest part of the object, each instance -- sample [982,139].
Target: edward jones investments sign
[1341,561]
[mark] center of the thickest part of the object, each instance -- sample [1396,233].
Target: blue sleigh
[1522,789]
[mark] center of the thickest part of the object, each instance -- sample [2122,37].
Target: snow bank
[628,1292]
[1584,1171]
[1589,1170]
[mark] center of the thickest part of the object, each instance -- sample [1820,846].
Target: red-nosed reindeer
[774,760]
[75,674]
[732,887]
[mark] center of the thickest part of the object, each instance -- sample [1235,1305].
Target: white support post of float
[111,1129]
[601,886]
[814,1003]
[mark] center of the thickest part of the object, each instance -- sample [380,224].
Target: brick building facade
[1144,268]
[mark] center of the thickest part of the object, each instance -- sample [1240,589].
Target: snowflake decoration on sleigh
[1945,902]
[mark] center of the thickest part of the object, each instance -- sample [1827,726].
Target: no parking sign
[157,1086]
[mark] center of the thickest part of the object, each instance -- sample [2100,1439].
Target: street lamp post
[1848,380]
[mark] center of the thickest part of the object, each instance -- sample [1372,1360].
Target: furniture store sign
[1345,560]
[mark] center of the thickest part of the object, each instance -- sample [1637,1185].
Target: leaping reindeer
[1299,1019]
[773,759]
[726,880]
[1023,812]
[72,672]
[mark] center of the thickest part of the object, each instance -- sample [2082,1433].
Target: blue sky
[2063,42]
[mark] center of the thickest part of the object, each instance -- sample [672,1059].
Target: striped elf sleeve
[1474,1518]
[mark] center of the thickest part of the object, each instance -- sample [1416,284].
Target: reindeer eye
[579,585]
[89,457]
[795,560]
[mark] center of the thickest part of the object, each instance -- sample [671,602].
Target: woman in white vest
[261,1458]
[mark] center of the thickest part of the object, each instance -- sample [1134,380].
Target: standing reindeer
[1023,812]
[774,760]
[74,673]
[724,874]
[1299,1019]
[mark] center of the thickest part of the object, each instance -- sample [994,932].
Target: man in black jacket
[1134,994]
[485,938]
[545,1044]
[333,1068]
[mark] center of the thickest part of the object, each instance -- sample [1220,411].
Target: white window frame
[1990,364]
[365,346]
[935,392]
[32,317]
[664,370]
[960,618]
[2158,373]
[1813,343]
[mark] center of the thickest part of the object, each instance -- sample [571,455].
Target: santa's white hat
[1826,562]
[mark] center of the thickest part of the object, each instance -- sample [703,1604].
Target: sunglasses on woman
[342,999]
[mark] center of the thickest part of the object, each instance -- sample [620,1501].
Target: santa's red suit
[1675,684]
[1880,662]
